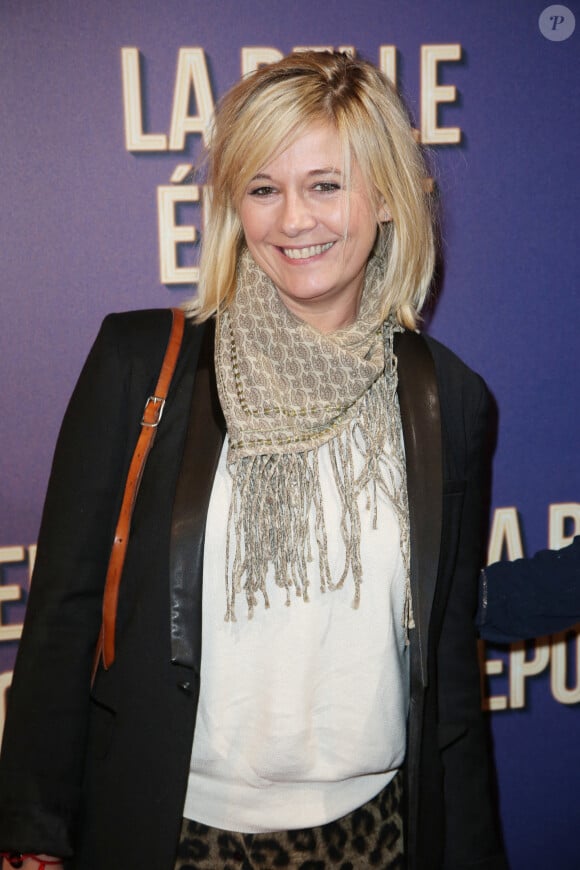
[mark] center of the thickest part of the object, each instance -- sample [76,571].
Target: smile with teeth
[304,253]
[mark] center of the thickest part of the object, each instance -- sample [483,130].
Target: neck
[325,316]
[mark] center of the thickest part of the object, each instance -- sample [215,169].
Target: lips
[305,253]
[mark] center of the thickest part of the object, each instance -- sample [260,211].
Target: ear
[384,215]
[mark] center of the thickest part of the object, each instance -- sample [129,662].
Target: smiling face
[311,235]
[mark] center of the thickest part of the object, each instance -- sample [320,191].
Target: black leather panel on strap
[201,452]
[421,421]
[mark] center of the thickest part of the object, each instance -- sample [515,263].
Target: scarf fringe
[273,496]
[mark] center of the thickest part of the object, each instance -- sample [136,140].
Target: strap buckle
[152,412]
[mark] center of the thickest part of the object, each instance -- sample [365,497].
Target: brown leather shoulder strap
[152,413]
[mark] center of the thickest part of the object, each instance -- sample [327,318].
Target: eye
[327,186]
[263,190]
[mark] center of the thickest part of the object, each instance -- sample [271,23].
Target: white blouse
[302,709]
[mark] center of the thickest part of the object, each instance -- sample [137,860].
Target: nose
[297,215]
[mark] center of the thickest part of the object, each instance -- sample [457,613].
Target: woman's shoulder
[144,332]
[453,374]
[141,325]
[446,359]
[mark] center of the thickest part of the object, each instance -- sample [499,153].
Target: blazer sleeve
[530,597]
[41,765]
[472,829]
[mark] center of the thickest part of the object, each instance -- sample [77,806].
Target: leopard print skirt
[371,836]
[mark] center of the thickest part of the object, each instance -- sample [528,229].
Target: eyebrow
[326,170]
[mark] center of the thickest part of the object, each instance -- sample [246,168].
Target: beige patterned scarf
[285,390]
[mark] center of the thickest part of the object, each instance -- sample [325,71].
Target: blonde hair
[266,112]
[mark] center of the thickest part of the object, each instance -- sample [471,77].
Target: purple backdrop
[80,238]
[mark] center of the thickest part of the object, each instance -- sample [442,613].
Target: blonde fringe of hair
[266,112]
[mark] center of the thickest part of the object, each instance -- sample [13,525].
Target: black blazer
[102,775]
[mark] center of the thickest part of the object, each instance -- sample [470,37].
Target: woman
[337,665]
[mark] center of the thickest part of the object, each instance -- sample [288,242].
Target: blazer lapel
[421,422]
[203,444]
